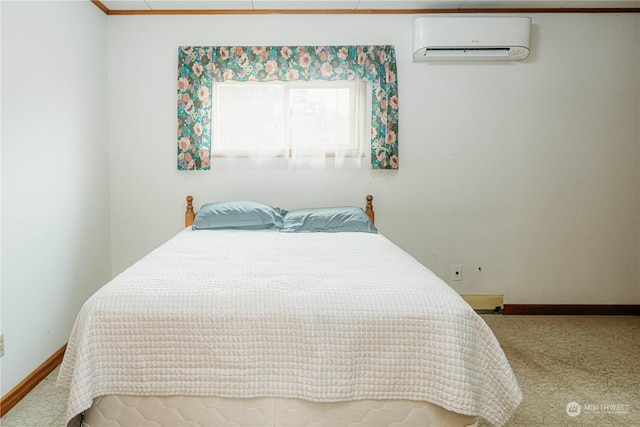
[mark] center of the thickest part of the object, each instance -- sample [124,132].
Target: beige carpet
[586,366]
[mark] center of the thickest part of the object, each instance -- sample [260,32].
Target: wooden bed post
[369,209]
[189,215]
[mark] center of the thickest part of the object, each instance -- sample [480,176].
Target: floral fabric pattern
[200,66]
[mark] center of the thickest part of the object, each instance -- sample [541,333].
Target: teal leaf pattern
[200,66]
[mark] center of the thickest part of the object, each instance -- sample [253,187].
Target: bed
[255,316]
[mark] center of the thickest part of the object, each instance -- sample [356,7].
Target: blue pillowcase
[329,220]
[245,215]
[249,215]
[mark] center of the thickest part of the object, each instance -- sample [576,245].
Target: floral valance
[200,66]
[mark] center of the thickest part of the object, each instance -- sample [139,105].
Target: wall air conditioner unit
[449,38]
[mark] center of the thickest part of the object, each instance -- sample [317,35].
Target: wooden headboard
[190,214]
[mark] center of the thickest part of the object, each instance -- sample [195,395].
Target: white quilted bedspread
[323,317]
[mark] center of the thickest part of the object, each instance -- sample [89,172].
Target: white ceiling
[151,5]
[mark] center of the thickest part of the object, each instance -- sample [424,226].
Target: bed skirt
[121,411]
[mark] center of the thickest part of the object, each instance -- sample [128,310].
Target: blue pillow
[237,215]
[330,220]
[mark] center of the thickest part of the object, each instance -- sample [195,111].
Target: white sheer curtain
[291,125]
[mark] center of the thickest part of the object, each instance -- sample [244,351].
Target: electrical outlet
[1,345]
[456,272]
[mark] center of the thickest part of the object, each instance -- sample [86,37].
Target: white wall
[529,171]
[1,191]
[55,175]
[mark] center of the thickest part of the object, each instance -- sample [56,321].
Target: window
[317,122]
[305,122]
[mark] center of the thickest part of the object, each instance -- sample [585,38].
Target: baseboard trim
[10,399]
[574,309]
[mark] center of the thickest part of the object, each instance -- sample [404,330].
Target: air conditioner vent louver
[472,49]
[471,38]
